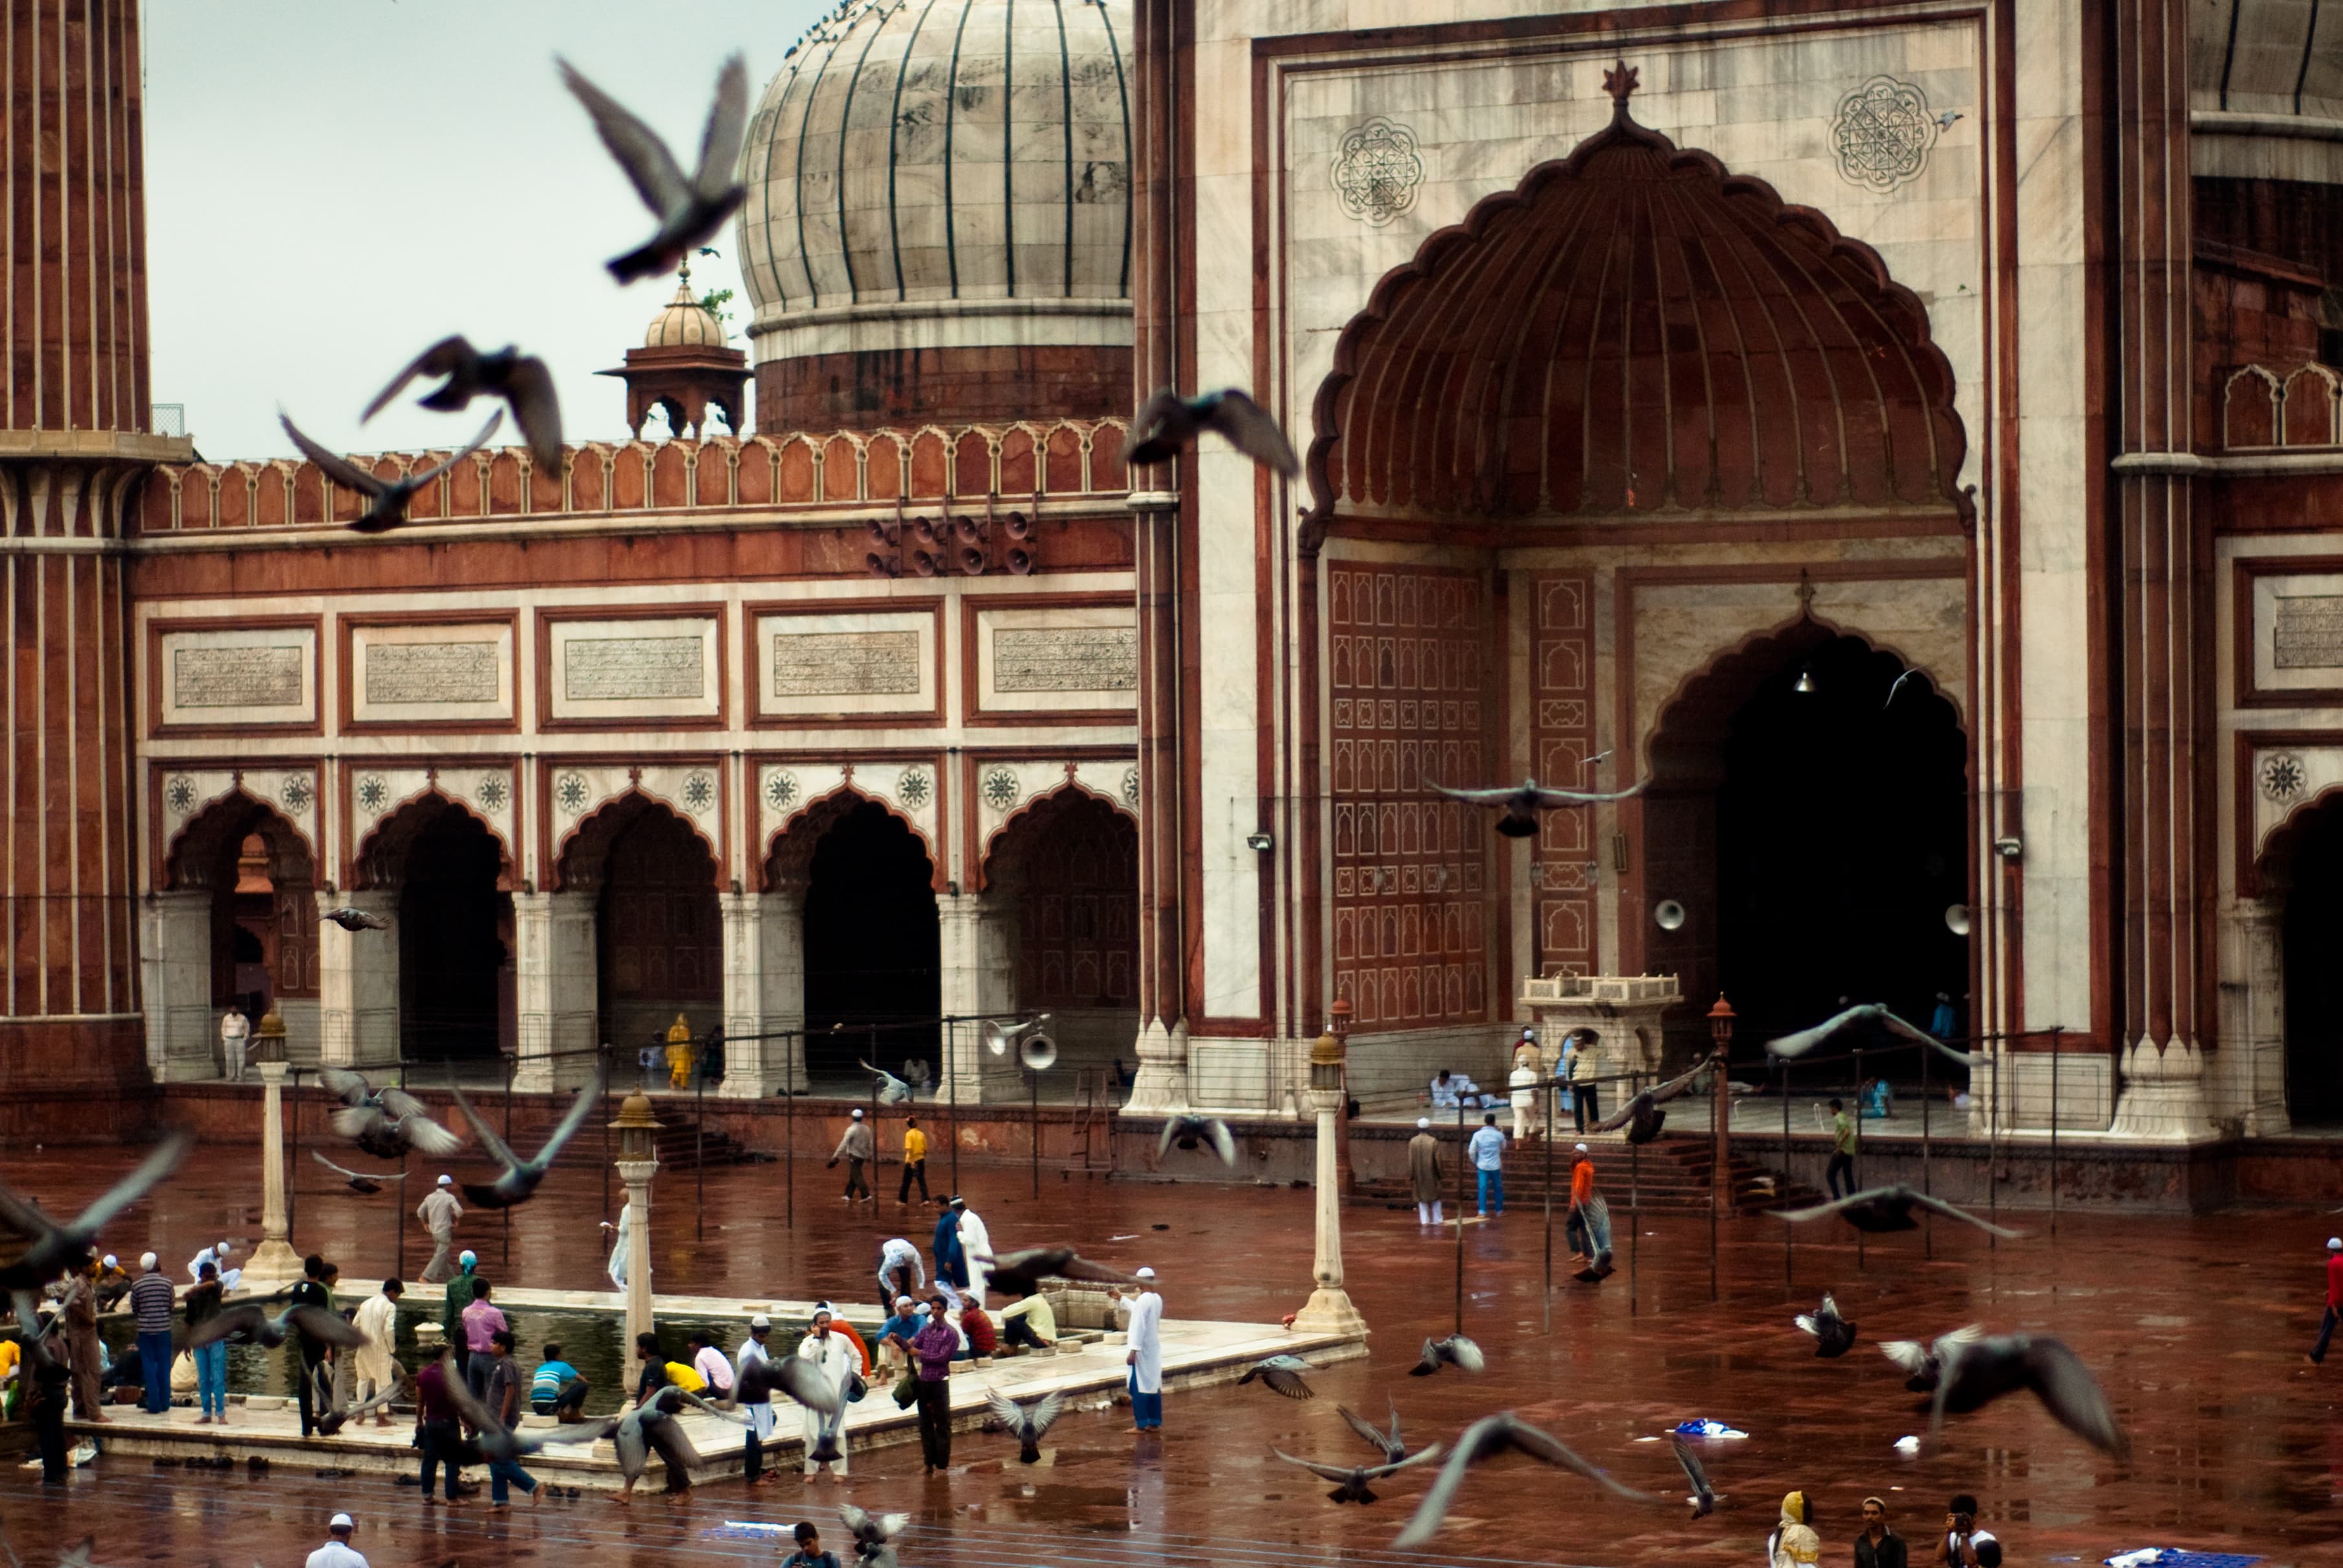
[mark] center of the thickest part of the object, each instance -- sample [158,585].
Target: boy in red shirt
[2334,1299]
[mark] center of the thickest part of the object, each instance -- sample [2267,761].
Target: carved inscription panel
[1065,658]
[266,676]
[846,663]
[431,672]
[633,669]
[2306,631]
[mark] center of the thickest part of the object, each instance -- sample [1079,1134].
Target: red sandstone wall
[943,385]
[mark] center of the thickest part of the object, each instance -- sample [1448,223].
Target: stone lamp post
[638,1163]
[1720,1028]
[1329,1309]
[275,1262]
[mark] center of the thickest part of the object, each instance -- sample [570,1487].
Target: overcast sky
[333,184]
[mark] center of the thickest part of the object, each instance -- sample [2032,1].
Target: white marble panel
[264,676]
[877,662]
[1056,659]
[401,674]
[651,668]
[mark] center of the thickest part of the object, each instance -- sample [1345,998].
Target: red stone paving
[2196,1327]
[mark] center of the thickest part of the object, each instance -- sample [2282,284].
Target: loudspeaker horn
[1957,919]
[1668,915]
[997,1037]
[1039,1054]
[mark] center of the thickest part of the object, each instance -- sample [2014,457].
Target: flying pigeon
[1641,1116]
[1189,1131]
[522,380]
[250,1324]
[1351,1481]
[333,1420]
[650,1425]
[1833,1335]
[359,1180]
[1923,1364]
[351,919]
[872,1532]
[1984,1370]
[1872,1013]
[521,1178]
[1392,1446]
[385,1122]
[1522,803]
[1456,1350]
[1020,1273]
[499,1441]
[1283,1374]
[1027,1425]
[1168,422]
[892,1091]
[1702,1497]
[1885,1209]
[1484,1439]
[793,1376]
[1945,121]
[35,1248]
[386,508]
[690,210]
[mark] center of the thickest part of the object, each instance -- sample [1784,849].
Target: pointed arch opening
[1067,869]
[873,951]
[262,880]
[2301,870]
[658,933]
[455,929]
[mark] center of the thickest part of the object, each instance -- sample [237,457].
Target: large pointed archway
[2301,871]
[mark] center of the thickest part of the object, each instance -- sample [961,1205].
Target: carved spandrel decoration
[1065,658]
[633,669]
[431,672]
[268,675]
[846,663]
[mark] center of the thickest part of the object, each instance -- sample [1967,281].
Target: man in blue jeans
[1488,1148]
[151,1297]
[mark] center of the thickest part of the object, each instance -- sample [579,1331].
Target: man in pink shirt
[2334,1299]
[481,1322]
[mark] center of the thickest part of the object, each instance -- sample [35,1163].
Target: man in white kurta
[975,1248]
[623,1232]
[762,1418]
[839,1361]
[1145,1357]
[377,1319]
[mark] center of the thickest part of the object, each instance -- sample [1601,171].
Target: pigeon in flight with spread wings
[1984,1370]
[1923,1364]
[1833,1335]
[1189,1131]
[522,380]
[359,1180]
[649,1426]
[1351,1482]
[1168,422]
[1456,1350]
[499,1441]
[1873,1019]
[1020,1273]
[333,1420]
[248,1324]
[1521,803]
[386,508]
[35,1248]
[1027,1423]
[1701,1496]
[794,1376]
[1484,1439]
[690,209]
[1392,1444]
[1641,1116]
[873,1534]
[1885,1209]
[1282,1374]
[385,1122]
[351,919]
[521,1178]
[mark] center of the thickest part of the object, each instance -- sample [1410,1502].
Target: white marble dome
[919,168]
[683,323]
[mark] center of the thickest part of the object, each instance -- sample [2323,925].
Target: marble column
[273,1261]
[973,932]
[1329,1309]
[636,1177]
[556,992]
[2249,1070]
[176,965]
[358,985]
[764,992]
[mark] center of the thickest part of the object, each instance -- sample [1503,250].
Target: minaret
[74,446]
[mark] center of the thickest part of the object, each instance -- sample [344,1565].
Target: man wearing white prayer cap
[338,1553]
[1423,1172]
[1145,1356]
[439,1212]
[2334,1299]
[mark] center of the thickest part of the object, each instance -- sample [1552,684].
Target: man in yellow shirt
[678,1054]
[915,1162]
[11,1379]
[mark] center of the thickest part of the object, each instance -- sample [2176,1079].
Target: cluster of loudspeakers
[1669,916]
[947,546]
[1036,1051]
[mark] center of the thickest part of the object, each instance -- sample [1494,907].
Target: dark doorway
[871,946]
[663,943]
[454,942]
[1840,842]
[2314,977]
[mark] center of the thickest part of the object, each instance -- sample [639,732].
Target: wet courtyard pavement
[2196,1327]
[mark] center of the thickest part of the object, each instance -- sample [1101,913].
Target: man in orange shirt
[1589,1225]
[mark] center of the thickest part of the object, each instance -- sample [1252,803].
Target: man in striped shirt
[151,1296]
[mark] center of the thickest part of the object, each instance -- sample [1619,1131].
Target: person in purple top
[932,1348]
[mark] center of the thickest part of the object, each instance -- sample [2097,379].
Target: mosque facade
[1903,440]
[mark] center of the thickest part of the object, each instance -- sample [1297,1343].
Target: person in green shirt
[1842,1160]
[451,1317]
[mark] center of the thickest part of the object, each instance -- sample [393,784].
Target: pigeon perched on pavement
[521,1178]
[1881,1210]
[1189,1131]
[1521,803]
[386,508]
[1833,1335]
[522,380]
[1167,422]
[1923,1364]
[1028,1424]
[1482,1440]
[690,209]
[1456,1350]
[1283,1374]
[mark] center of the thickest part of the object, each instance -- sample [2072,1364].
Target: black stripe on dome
[894,121]
[1066,113]
[845,241]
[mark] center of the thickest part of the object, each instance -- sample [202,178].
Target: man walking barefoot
[1145,1356]
[1488,1148]
[2334,1299]
[856,1149]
